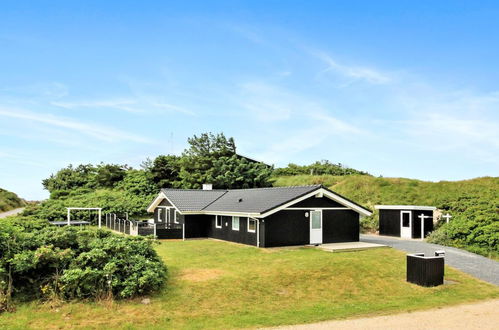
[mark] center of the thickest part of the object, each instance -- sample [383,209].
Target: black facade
[340,226]
[286,227]
[390,222]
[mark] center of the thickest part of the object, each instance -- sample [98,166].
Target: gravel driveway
[480,267]
[481,315]
[11,212]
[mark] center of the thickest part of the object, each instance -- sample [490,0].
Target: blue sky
[396,88]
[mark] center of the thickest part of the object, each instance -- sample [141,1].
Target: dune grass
[214,284]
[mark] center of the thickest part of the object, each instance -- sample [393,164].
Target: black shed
[406,221]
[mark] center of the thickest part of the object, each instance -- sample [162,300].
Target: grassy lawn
[216,284]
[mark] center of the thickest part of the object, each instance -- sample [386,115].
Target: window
[251,225]
[175,219]
[159,215]
[316,219]
[406,219]
[235,223]
[218,221]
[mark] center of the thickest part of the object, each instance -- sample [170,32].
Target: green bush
[9,200]
[39,260]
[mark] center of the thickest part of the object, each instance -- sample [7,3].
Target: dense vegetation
[119,188]
[323,167]
[473,204]
[9,201]
[42,261]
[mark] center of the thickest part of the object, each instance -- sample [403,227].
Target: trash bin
[426,271]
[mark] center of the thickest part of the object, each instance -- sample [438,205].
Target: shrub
[40,260]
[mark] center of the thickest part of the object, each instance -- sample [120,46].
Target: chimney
[207,186]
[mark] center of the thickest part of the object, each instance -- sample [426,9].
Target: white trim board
[405,207]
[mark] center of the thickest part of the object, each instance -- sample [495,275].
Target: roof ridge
[216,199]
[303,186]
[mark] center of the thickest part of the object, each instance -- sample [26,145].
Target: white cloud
[99,132]
[139,105]
[367,74]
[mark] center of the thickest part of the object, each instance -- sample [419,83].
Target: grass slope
[9,201]
[219,285]
[369,190]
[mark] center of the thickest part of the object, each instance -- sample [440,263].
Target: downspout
[257,232]
[183,229]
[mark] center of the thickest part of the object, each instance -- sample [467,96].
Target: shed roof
[405,207]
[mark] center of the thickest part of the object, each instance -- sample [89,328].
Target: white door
[315,227]
[405,224]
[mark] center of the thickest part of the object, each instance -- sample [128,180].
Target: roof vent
[207,186]
[240,200]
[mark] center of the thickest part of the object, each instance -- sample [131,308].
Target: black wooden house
[263,217]
[406,221]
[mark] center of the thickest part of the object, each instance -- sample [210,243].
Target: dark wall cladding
[287,227]
[428,225]
[340,226]
[317,202]
[389,222]
[169,233]
[425,271]
[226,233]
[197,226]
[164,202]
[162,217]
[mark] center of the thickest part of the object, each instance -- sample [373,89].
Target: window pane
[405,220]
[252,225]
[219,221]
[235,223]
[316,220]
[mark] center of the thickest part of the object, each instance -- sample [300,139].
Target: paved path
[481,315]
[11,212]
[480,267]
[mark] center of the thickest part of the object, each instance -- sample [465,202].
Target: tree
[108,175]
[164,171]
[138,183]
[70,178]
[236,172]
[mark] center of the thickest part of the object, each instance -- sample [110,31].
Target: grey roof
[258,200]
[192,199]
[255,200]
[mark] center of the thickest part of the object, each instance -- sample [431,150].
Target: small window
[175,219]
[235,223]
[218,221]
[406,219]
[251,225]
[159,215]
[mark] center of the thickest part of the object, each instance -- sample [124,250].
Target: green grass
[215,284]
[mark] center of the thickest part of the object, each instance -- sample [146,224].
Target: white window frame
[175,219]
[159,214]
[216,221]
[238,223]
[248,228]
